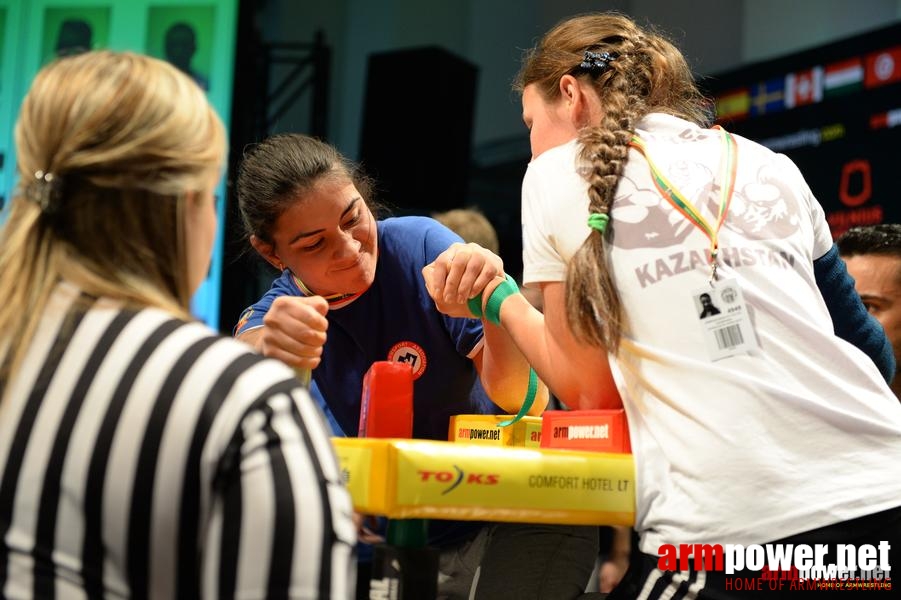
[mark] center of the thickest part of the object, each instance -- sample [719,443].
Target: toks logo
[457,476]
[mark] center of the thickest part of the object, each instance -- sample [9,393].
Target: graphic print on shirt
[761,209]
[410,353]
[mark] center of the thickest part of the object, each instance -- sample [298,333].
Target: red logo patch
[412,354]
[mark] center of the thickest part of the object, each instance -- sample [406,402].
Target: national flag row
[811,85]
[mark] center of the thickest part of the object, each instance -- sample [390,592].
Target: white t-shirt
[799,433]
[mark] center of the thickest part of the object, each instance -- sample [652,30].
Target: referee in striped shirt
[141,454]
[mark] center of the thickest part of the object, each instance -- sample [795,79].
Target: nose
[347,247]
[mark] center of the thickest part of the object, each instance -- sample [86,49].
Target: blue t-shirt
[395,319]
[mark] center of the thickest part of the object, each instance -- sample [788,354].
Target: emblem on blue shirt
[410,353]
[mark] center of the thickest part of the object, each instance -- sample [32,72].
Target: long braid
[593,306]
[640,72]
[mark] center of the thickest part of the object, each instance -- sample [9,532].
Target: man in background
[873,257]
[180,46]
[74,37]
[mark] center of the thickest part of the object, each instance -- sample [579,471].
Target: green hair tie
[598,221]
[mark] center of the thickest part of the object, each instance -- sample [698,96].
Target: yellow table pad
[445,480]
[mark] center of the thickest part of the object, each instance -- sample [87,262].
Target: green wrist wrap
[493,315]
[531,392]
[497,297]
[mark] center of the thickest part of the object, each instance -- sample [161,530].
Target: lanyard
[334,301]
[728,169]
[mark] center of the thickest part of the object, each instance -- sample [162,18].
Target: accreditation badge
[724,320]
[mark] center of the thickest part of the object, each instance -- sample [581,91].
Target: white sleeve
[541,261]
[822,235]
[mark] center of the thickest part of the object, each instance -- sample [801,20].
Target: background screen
[197,36]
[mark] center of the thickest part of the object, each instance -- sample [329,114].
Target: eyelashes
[320,243]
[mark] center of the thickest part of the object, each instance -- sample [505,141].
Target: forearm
[577,374]
[252,337]
[850,318]
[505,372]
[621,547]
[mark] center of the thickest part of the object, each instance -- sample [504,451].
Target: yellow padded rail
[405,479]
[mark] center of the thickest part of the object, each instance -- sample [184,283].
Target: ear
[195,203]
[267,251]
[193,198]
[573,95]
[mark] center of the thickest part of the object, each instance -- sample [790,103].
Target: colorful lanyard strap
[334,301]
[728,169]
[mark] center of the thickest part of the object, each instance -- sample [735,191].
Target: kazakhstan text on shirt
[570,483]
[682,262]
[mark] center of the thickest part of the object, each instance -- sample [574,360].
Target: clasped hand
[295,330]
[461,272]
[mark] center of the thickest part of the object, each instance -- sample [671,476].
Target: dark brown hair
[276,172]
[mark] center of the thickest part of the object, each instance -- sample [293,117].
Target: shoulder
[553,168]
[219,361]
[413,225]
[231,381]
[420,237]
[564,155]
[555,172]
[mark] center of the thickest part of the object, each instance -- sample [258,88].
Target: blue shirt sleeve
[850,318]
[252,317]
[337,431]
[466,333]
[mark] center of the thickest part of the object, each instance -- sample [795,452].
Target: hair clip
[43,189]
[596,63]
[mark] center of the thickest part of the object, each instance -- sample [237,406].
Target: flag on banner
[768,96]
[843,77]
[804,87]
[733,104]
[883,67]
[891,118]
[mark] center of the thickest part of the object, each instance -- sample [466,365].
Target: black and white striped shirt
[142,456]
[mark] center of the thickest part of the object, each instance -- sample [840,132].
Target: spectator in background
[471,225]
[873,257]
[180,47]
[74,37]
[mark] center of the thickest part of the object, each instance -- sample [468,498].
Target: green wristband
[497,297]
[493,314]
[475,306]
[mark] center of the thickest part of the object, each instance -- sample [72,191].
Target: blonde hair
[124,137]
[471,225]
[646,74]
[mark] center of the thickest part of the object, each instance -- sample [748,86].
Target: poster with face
[2,39]
[3,103]
[74,29]
[183,36]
